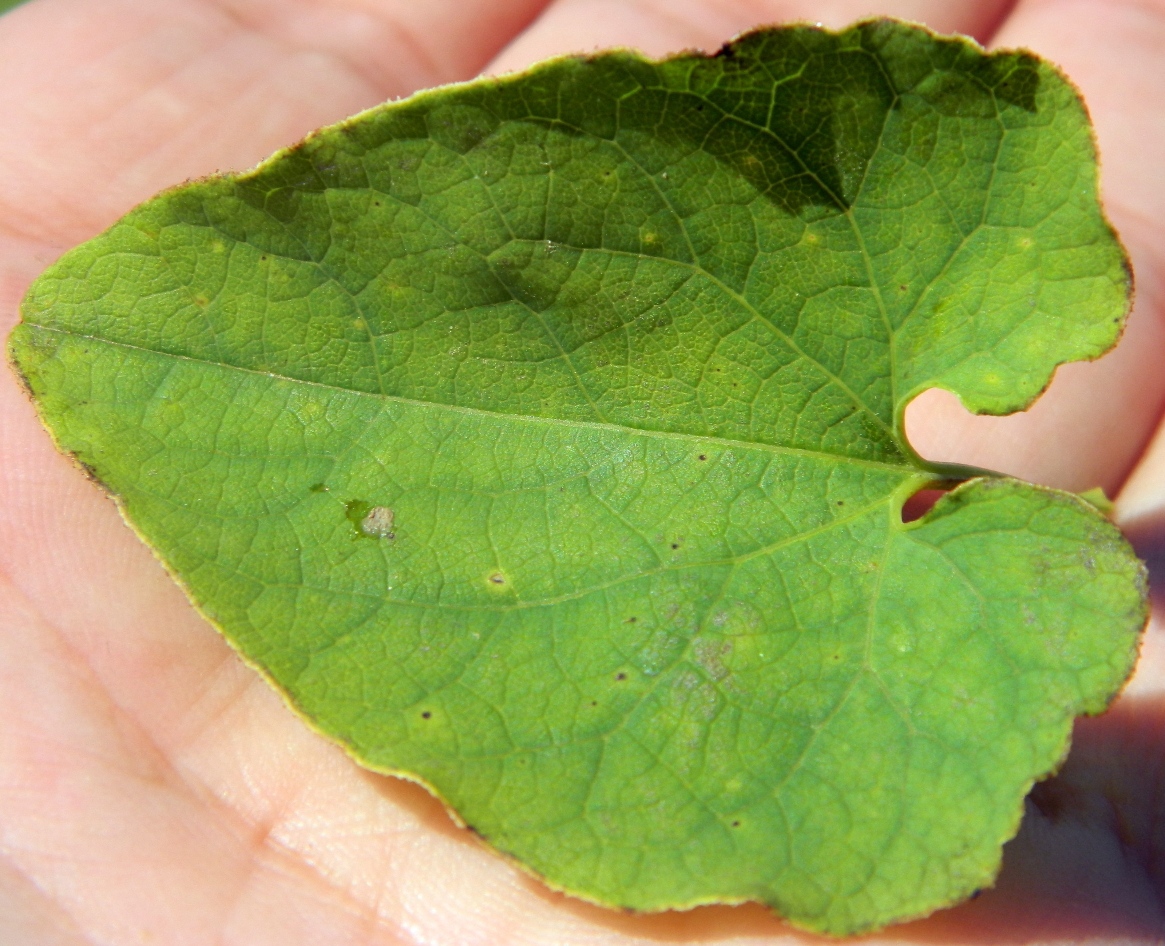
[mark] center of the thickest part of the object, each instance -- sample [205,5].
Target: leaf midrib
[724,442]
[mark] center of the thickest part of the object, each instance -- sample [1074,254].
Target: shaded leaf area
[541,439]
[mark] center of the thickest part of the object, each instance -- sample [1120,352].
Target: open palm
[153,789]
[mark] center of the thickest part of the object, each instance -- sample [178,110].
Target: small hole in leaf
[920,504]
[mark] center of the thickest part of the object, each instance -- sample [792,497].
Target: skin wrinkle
[222,31]
[1155,8]
[155,149]
[423,63]
[430,63]
[63,931]
[663,26]
[134,772]
[258,836]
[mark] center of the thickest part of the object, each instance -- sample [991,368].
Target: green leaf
[541,438]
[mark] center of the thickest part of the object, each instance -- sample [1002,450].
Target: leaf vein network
[904,468]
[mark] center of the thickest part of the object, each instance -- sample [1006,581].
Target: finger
[102,105]
[663,26]
[1092,424]
[1143,495]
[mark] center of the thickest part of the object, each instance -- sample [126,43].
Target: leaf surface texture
[541,439]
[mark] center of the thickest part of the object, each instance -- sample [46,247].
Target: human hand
[152,787]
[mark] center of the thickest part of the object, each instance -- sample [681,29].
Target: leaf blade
[624,396]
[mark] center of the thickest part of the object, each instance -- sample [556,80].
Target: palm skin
[154,789]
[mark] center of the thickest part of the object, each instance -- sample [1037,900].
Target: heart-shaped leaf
[541,439]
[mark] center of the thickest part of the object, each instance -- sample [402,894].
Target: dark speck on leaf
[426,714]
[736,824]
[841,502]
[632,619]
[675,545]
[620,675]
[703,456]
